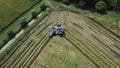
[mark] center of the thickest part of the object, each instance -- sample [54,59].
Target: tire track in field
[102,52]
[77,48]
[85,50]
[20,43]
[86,24]
[90,54]
[106,46]
[24,55]
[107,33]
[79,51]
[105,28]
[40,51]
[97,39]
[39,32]
[114,42]
[43,29]
[33,53]
[87,57]
[81,27]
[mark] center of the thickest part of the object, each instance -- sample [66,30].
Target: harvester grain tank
[56,30]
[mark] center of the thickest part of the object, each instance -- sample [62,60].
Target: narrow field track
[77,48]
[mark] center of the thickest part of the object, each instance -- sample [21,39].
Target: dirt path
[11,41]
[48,2]
[53,7]
[17,35]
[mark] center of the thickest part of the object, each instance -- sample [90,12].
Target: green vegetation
[101,7]
[66,2]
[24,23]
[10,10]
[43,7]
[111,4]
[11,34]
[15,44]
[16,25]
[34,14]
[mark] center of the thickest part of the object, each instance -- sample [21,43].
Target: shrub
[5,40]
[11,34]
[57,0]
[66,2]
[23,23]
[34,14]
[43,7]
[82,3]
[101,7]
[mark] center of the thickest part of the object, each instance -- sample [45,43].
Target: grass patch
[12,9]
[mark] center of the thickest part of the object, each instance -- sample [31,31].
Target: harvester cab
[56,30]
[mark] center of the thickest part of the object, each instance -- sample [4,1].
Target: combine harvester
[56,30]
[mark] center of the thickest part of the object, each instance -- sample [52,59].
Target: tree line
[97,4]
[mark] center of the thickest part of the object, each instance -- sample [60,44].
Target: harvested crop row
[91,62]
[88,53]
[24,52]
[3,62]
[24,45]
[29,56]
[105,31]
[86,42]
[83,26]
[101,50]
[88,46]
[13,58]
[43,32]
[36,52]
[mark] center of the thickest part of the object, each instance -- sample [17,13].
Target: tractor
[56,30]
